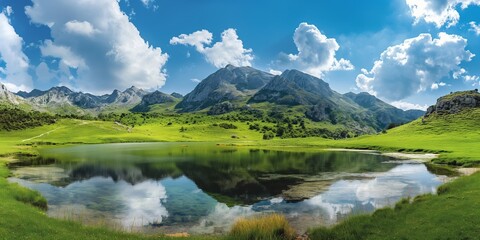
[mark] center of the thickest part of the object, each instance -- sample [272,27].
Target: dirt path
[41,135]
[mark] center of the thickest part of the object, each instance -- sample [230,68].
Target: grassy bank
[450,215]
[22,217]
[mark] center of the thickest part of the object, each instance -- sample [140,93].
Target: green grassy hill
[455,137]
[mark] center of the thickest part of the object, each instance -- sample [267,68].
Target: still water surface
[203,188]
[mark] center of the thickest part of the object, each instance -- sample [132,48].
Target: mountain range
[230,89]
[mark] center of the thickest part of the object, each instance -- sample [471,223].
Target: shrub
[442,189]
[268,136]
[227,126]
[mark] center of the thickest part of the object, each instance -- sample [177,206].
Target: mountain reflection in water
[203,188]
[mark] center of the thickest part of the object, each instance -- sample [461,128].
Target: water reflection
[202,188]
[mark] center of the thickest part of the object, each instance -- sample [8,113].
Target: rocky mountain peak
[230,67]
[176,95]
[455,102]
[307,82]
[6,95]
[61,89]
[227,84]
[293,87]
[33,93]
[364,99]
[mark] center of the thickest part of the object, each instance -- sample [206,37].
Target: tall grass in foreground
[268,227]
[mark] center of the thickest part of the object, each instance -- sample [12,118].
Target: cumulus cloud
[65,54]
[197,39]
[414,65]
[15,73]
[438,12]
[316,52]
[407,106]
[275,72]
[43,72]
[228,51]
[81,28]
[469,78]
[98,42]
[435,86]
[474,27]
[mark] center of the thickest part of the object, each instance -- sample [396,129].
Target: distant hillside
[154,98]
[321,103]
[62,100]
[383,113]
[249,94]
[227,84]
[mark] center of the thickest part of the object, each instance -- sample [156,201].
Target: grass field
[451,215]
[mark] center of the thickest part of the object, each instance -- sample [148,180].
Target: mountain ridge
[233,89]
[227,84]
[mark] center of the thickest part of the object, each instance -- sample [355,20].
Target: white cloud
[316,52]
[150,4]
[116,57]
[197,39]
[65,54]
[474,27]
[275,72]
[435,86]
[460,72]
[471,78]
[414,65]
[195,80]
[407,106]
[81,28]
[228,51]
[143,202]
[16,76]
[438,12]
[43,72]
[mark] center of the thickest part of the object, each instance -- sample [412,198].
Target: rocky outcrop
[455,103]
[221,108]
[320,112]
[7,96]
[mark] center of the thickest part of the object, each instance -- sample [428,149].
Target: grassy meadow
[452,214]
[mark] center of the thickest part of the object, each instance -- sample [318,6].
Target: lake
[201,188]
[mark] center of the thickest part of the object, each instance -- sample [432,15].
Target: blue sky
[407,52]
